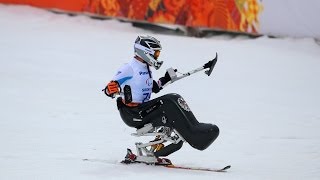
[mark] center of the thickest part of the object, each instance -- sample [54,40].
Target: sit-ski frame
[148,130]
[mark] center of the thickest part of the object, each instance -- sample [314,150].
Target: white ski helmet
[148,48]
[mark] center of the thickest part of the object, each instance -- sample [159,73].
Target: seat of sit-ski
[179,116]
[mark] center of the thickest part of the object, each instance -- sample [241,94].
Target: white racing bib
[136,75]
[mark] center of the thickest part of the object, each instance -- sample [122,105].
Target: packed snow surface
[263,95]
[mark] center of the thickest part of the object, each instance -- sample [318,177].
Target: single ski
[181,167]
[162,165]
[199,168]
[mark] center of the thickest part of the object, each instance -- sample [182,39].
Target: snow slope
[263,94]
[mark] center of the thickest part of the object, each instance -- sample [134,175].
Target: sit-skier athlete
[163,116]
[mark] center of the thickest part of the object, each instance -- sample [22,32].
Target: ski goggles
[156,54]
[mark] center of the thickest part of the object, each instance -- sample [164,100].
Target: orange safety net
[228,15]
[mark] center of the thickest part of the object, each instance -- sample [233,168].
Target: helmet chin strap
[148,69]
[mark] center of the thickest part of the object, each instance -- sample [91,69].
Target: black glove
[166,78]
[155,87]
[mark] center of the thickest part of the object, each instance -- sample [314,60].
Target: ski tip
[216,58]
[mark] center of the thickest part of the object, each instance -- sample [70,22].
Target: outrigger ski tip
[210,65]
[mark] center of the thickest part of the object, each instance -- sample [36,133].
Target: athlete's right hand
[166,78]
[112,88]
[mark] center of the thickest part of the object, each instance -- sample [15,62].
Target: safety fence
[271,17]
